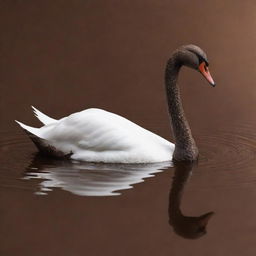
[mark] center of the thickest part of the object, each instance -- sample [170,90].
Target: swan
[96,135]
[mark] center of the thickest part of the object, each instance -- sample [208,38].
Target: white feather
[35,131]
[42,117]
[96,135]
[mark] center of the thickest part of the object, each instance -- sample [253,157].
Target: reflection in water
[89,179]
[185,226]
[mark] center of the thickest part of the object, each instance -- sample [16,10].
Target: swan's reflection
[185,226]
[89,179]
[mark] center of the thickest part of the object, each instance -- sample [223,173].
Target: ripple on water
[80,178]
[89,179]
[227,159]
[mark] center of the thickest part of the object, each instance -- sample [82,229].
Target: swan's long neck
[185,147]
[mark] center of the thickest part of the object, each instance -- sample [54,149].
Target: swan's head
[194,57]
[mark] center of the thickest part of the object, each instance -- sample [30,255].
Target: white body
[95,135]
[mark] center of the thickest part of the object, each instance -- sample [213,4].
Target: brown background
[64,56]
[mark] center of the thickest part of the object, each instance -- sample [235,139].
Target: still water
[62,58]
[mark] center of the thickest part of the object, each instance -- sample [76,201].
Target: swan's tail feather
[34,131]
[42,117]
[43,145]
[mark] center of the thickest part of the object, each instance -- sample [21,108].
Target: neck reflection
[190,227]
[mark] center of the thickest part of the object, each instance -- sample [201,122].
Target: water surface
[63,57]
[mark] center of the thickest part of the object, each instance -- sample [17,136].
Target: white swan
[95,135]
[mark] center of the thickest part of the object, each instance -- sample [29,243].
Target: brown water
[63,57]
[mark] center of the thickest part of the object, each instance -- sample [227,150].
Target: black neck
[185,147]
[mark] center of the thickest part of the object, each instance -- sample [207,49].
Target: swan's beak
[203,69]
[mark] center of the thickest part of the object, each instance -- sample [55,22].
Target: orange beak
[206,73]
